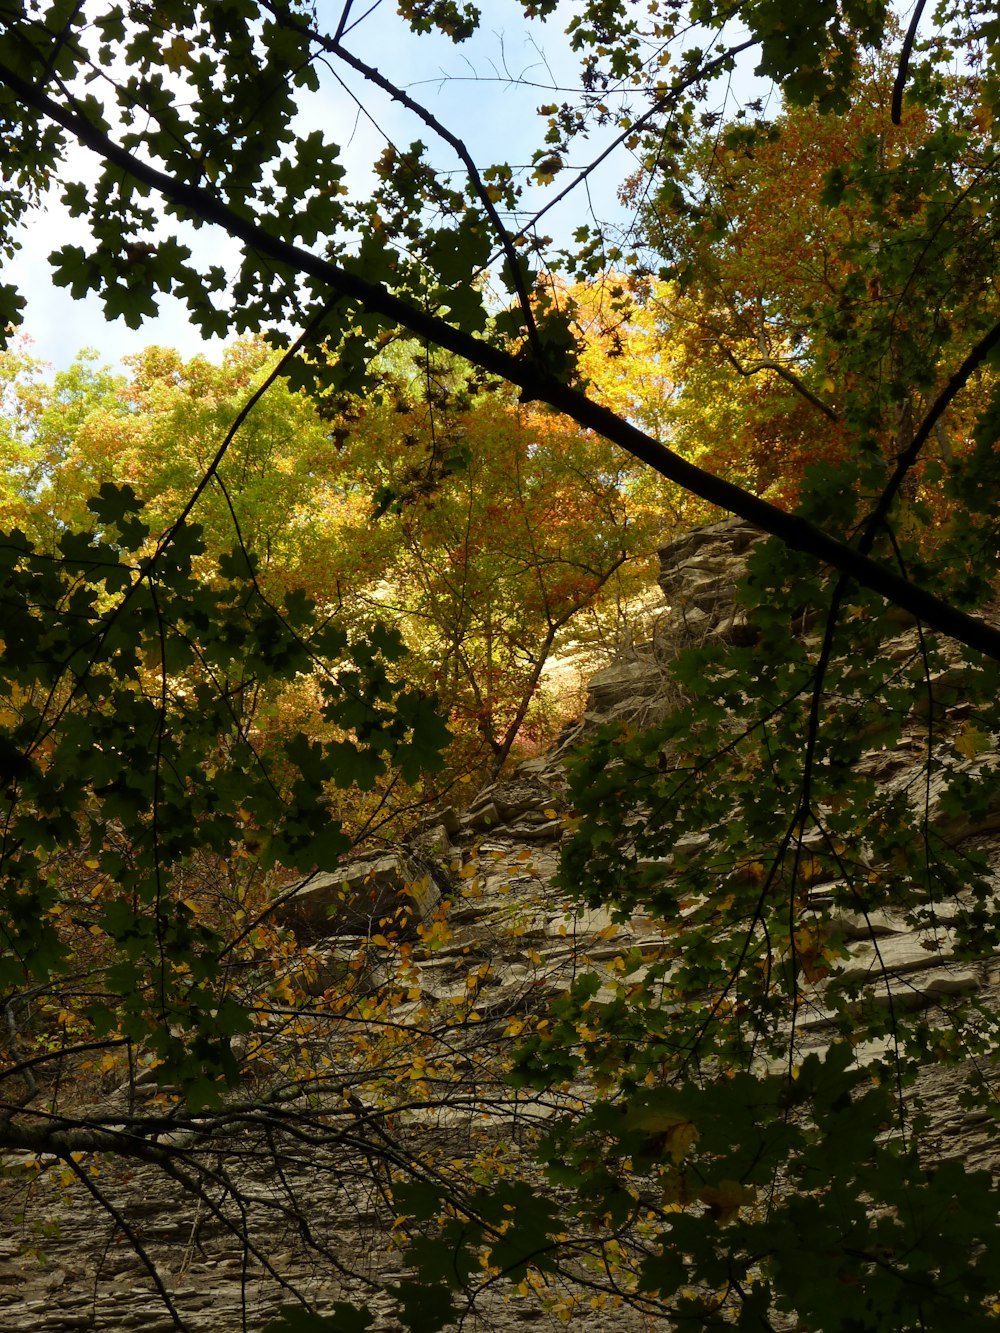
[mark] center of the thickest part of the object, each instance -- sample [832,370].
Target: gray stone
[434,840]
[519,941]
[448,818]
[952,981]
[486,817]
[896,954]
[381,894]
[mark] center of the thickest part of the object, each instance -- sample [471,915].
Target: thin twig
[789,376]
[335,47]
[131,1235]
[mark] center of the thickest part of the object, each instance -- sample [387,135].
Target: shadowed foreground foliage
[808,283]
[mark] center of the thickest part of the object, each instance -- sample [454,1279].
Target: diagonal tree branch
[661,104]
[909,456]
[123,1225]
[904,64]
[336,47]
[796,532]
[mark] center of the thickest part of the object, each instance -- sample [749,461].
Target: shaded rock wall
[65,1264]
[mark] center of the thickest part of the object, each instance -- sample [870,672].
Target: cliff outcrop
[489,936]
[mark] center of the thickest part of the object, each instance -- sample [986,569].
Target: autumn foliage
[261,613]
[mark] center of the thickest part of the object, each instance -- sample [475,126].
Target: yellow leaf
[726,1199]
[679,1139]
[176,54]
[670,1133]
[970,741]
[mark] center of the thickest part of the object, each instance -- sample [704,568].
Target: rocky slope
[319,1213]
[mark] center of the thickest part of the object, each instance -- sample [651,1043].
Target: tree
[482,527]
[761,761]
[381,279]
[500,526]
[773,277]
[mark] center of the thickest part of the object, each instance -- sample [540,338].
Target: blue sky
[486,91]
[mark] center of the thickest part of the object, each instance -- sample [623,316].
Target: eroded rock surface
[67,1264]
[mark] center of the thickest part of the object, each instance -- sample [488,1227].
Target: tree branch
[904,64]
[707,71]
[908,457]
[789,376]
[123,1225]
[794,531]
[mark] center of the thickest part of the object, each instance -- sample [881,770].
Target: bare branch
[128,1231]
[789,376]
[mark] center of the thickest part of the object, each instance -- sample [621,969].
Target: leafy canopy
[816,282]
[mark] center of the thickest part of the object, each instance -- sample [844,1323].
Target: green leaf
[346,1318]
[424,1308]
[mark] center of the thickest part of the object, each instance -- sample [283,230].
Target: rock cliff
[315,1220]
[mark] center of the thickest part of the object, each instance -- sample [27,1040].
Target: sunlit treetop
[224,178]
[221,100]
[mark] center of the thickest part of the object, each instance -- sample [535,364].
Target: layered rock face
[699,575]
[522,943]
